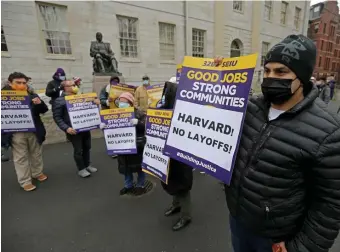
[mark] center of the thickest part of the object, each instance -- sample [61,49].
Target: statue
[104,60]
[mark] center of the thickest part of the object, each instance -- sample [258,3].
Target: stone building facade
[146,37]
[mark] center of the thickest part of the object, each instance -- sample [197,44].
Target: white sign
[85,118]
[121,140]
[16,119]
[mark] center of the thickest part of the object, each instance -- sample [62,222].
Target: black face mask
[277,91]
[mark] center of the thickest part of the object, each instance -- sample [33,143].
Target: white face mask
[62,78]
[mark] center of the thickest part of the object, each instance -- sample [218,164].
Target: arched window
[236,48]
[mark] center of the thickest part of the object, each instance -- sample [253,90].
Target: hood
[56,74]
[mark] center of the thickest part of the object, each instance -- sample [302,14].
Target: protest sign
[209,112]
[83,112]
[16,113]
[115,91]
[120,134]
[155,95]
[178,72]
[157,128]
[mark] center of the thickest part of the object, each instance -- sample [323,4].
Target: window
[235,48]
[332,30]
[327,63]
[267,9]
[167,41]
[128,36]
[324,28]
[321,45]
[333,66]
[335,53]
[297,18]
[238,6]
[320,61]
[265,49]
[4,47]
[337,39]
[284,6]
[316,28]
[55,30]
[198,38]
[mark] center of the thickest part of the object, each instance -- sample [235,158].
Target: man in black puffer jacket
[285,189]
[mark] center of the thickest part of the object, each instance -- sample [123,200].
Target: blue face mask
[123,105]
[62,78]
[163,99]
[145,82]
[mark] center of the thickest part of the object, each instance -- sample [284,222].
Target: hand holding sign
[134,121]
[71,131]
[36,100]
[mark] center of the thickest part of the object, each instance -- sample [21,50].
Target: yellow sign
[116,90]
[155,95]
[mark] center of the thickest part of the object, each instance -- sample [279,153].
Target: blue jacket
[37,109]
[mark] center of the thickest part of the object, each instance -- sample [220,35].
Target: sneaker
[140,190]
[91,169]
[42,177]
[125,191]
[114,156]
[4,158]
[202,172]
[84,173]
[29,187]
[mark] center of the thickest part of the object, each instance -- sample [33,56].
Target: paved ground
[70,214]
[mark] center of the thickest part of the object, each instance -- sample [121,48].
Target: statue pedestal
[100,81]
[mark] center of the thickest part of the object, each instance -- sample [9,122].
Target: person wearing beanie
[132,163]
[53,88]
[180,177]
[285,190]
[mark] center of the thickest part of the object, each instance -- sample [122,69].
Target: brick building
[324,29]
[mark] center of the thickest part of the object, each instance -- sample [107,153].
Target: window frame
[297,18]
[268,4]
[263,56]
[241,4]
[204,42]
[172,25]
[123,56]
[285,12]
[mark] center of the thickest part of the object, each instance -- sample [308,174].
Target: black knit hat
[296,52]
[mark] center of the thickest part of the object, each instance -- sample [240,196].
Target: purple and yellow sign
[16,115]
[208,116]
[83,111]
[120,134]
[155,95]
[157,128]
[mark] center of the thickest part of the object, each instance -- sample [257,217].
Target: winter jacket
[60,113]
[286,178]
[104,96]
[324,93]
[37,110]
[130,163]
[180,177]
[53,89]
[141,98]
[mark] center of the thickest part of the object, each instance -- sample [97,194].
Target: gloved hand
[134,121]
[102,126]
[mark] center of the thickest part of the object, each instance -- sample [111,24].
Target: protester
[286,178]
[331,83]
[131,163]
[27,146]
[77,81]
[105,98]
[180,175]
[324,90]
[141,95]
[81,141]
[54,86]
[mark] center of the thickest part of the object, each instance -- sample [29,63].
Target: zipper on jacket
[267,211]
[255,148]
